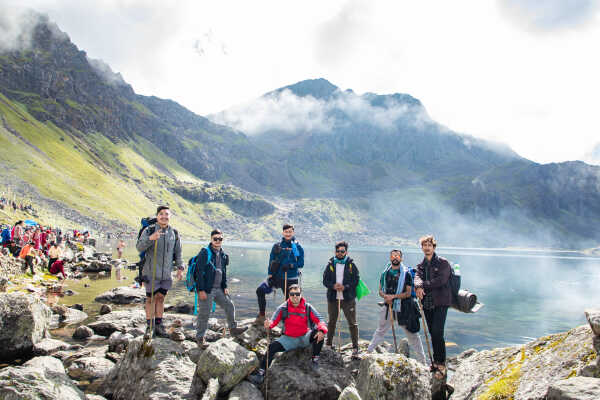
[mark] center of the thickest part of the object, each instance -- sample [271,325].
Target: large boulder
[227,361]
[593,318]
[291,376]
[393,376]
[122,295]
[39,378]
[349,393]
[83,332]
[245,391]
[578,388]
[47,346]
[24,321]
[524,372]
[90,369]
[161,370]
[70,316]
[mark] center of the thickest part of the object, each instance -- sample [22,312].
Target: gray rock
[245,391]
[528,370]
[83,332]
[105,328]
[177,335]
[160,371]
[578,388]
[393,376]
[71,316]
[48,346]
[118,341]
[135,332]
[122,295]
[227,361]
[91,369]
[105,309]
[39,378]
[77,306]
[94,397]
[349,393]
[593,318]
[69,358]
[212,390]
[24,321]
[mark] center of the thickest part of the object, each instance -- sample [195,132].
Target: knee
[159,298]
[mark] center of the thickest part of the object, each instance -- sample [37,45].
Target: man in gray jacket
[162,241]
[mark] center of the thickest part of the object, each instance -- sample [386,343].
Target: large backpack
[454,284]
[190,277]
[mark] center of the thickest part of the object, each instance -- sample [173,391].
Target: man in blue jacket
[211,284]
[287,257]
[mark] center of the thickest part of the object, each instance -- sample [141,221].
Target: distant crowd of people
[8,204]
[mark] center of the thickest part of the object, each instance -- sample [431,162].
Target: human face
[396,258]
[288,234]
[216,241]
[428,249]
[340,253]
[163,218]
[295,299]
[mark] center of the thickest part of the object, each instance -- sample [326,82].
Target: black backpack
[454,284]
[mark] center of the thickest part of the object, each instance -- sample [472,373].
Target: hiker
[54,254]
[303,326]
[58,268]
[13,248]
[287,256]
[395,286]
[341,278]
[17,232]
[28,254]
[211,285]
[120,247]
[431,283]
[163,248]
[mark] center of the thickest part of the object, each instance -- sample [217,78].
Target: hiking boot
[148,333]
[260,320]
[355,354]
[314,364]
[237,330]
[257,378]
[160,331]
[202,343]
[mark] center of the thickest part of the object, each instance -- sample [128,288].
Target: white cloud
[550,15]
[474,68]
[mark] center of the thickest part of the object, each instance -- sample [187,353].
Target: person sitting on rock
[303,326]
[14,248]
[161,241]
[58,268]
[211,284]
[286,258]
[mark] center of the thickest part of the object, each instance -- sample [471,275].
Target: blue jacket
[286,257]
[205,273]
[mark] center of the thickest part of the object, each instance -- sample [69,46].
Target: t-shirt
[218,269]
[391,272]
[339,278]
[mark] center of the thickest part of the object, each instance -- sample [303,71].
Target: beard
[395,262]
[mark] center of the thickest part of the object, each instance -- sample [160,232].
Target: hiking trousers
[277,347]
[349,309]
[385,323]
[205,307]
[436,320]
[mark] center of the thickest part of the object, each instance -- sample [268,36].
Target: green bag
[361,289]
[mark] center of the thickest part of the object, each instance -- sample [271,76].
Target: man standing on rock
[395,286]
[211,284]
[341,278]
[303,326]
[431,282]
[286,258]
[162,246]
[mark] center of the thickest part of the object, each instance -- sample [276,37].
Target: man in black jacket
[431,283]
[211,284]
[341,278]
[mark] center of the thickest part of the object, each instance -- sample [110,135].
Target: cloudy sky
[523,72]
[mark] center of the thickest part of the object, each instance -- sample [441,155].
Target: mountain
[371,168]
[593,156]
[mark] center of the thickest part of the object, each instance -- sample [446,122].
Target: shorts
[291,343]
[161,287]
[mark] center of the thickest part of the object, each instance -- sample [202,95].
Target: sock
[158,321]
[148,322]
[315,358]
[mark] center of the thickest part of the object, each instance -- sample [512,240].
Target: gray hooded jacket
[168,250]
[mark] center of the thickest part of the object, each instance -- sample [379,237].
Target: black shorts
[159,290]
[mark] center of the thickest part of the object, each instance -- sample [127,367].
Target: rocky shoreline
[108,359]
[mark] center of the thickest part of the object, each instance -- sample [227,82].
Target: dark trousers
[349,309]
[261,294]
[29,263]
[276,347]
[436,319]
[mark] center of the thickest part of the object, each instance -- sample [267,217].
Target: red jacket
[295,325]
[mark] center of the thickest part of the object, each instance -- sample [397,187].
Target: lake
[527,294]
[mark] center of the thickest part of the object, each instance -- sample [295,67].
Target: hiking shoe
[257,378]
[202,343]
[148,333]
[260,320]
[160,331]
[237,330]
[314,364]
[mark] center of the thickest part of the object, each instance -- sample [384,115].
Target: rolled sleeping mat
[467,302]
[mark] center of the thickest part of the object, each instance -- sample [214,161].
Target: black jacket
[350,281]
[205,273]
[439,274]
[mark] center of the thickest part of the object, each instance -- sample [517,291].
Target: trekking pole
[152,310]
[267,366]
[393,329]
[285,286]
[339,326]
[425,331]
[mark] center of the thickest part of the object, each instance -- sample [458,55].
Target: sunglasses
[217,239]
[295,294]
[340,251]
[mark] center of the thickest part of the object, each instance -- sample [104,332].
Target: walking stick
[393,329]
[425,331]
[285,286]
[147,342]
[267,368]
[339,326]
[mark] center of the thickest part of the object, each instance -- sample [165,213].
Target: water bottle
[457,269]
